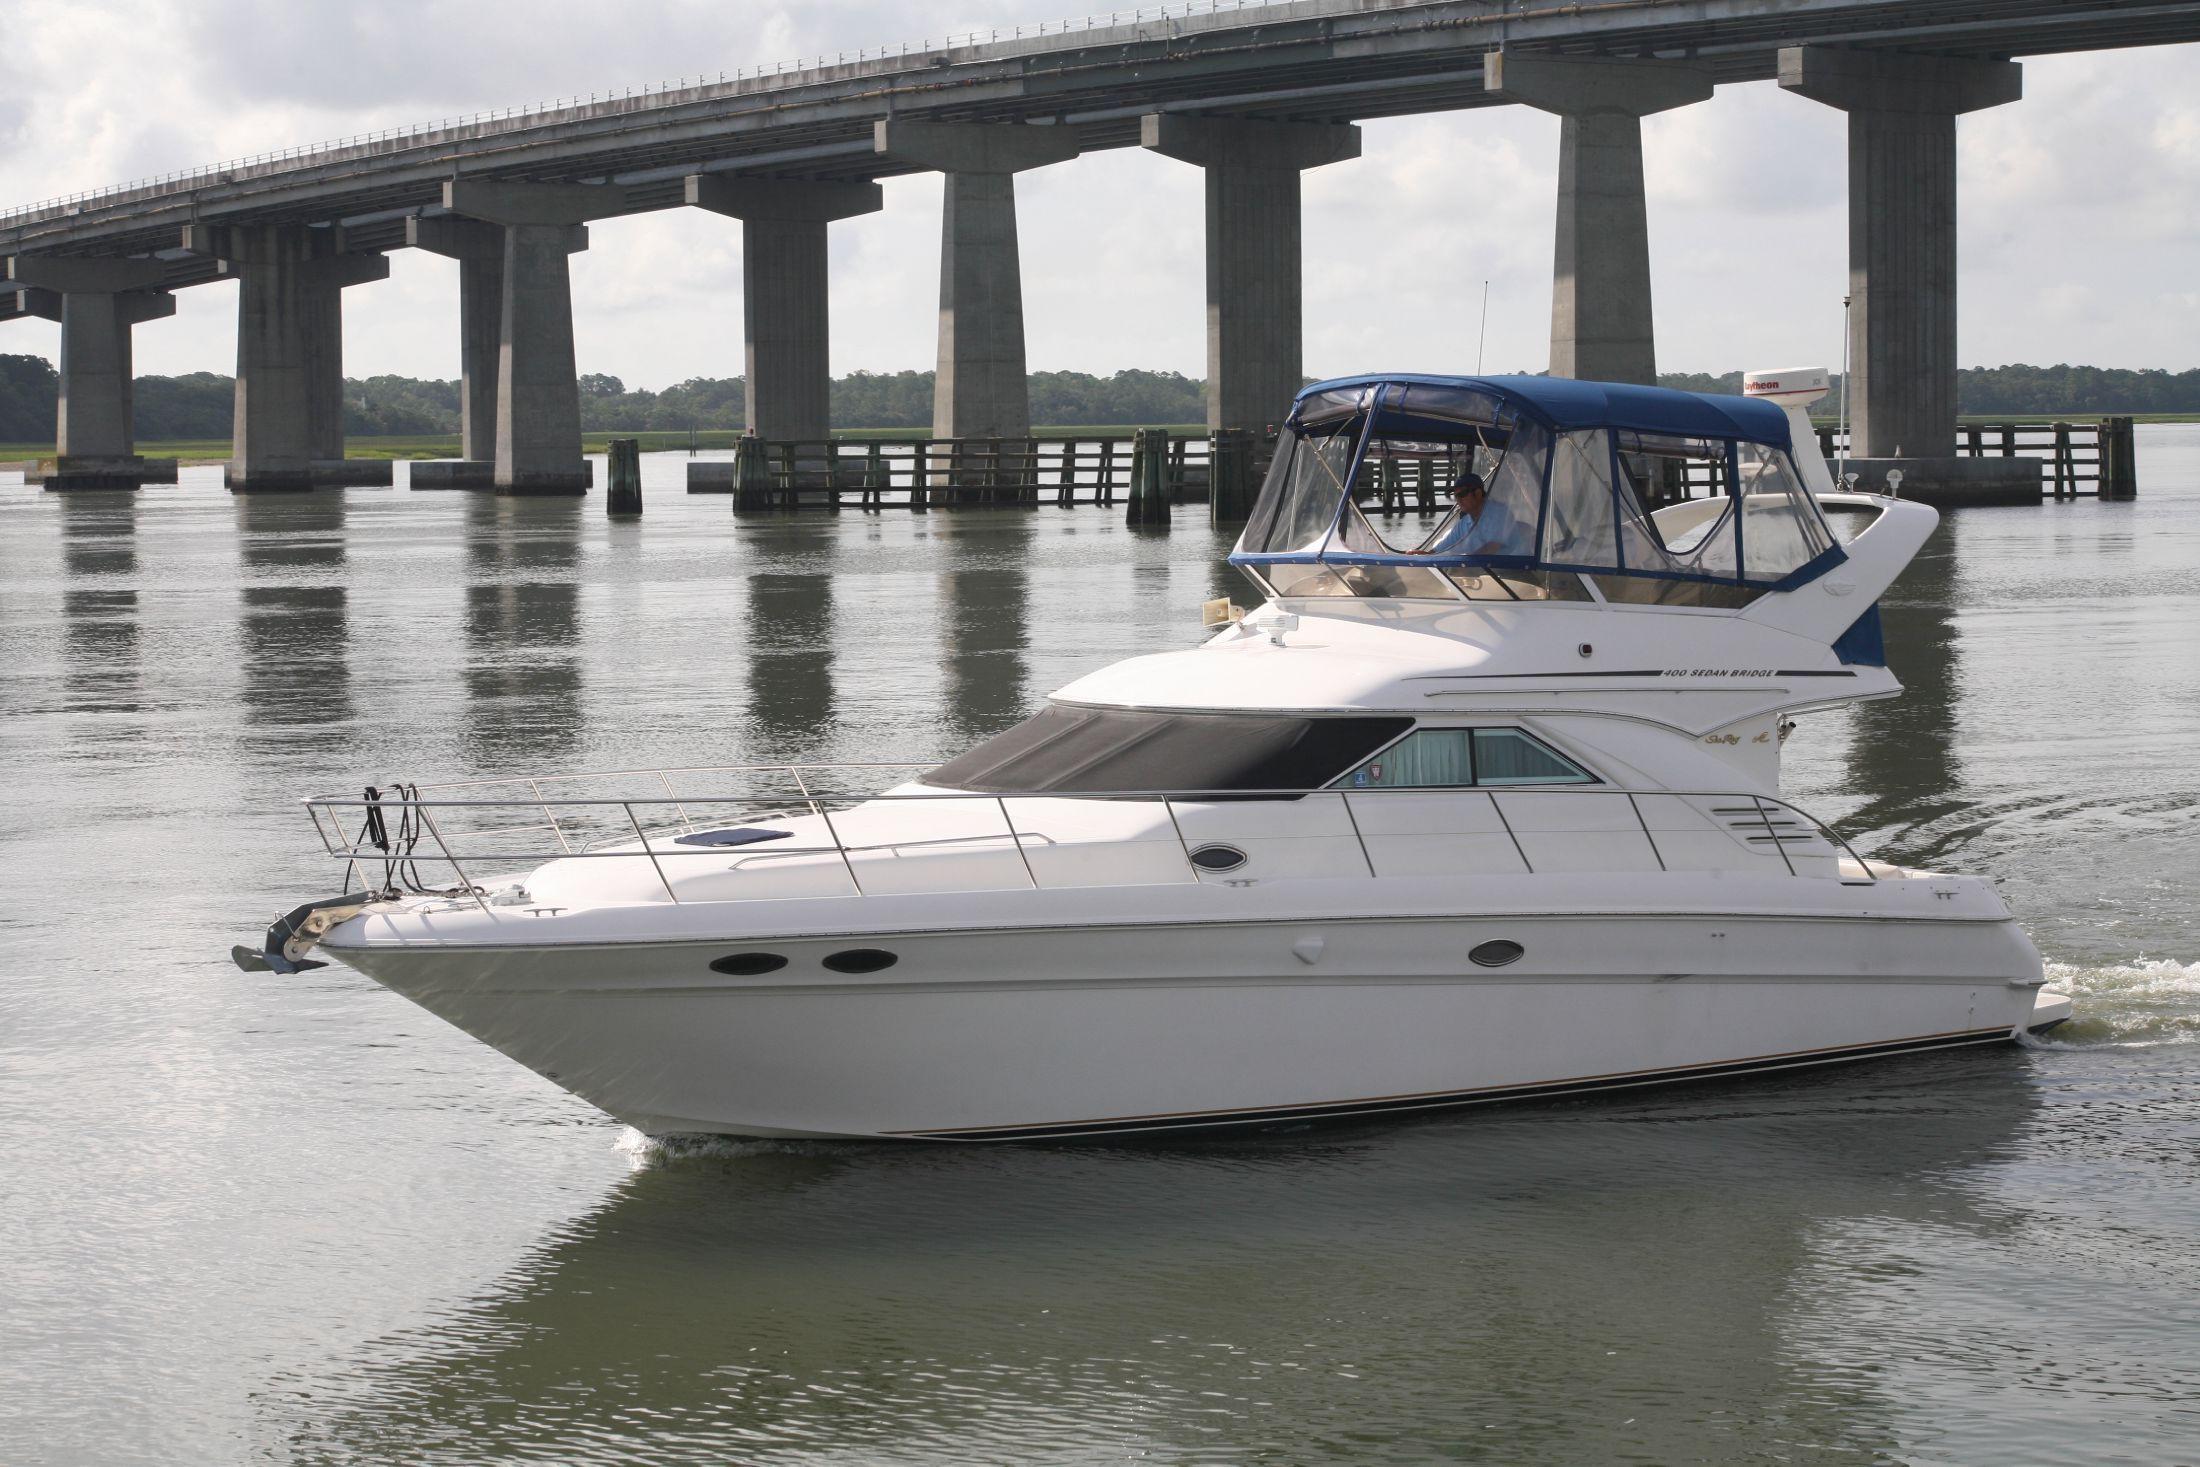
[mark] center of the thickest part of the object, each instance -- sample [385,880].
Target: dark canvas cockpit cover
[1112,750]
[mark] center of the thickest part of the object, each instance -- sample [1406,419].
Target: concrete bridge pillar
[538,415]
[479,250]
[1601,323]
[288,426]
[1902,231]
[982,389]
[786,330]
[1255,309]
[96,302]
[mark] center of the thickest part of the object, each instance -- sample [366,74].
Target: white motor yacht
[1466,810]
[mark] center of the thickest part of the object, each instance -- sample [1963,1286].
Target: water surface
[253,1218]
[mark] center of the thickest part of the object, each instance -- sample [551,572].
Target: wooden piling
[752,483]
[2119,472]
[624,456]
[1149,496]
[1230,477]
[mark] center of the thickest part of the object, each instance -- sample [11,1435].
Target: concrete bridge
[1252,94]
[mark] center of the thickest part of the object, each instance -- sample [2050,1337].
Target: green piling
[625,463]
[1149,496]
[752,480]
[2119,470]
[1230,476]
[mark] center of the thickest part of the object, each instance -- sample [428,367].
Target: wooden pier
[1153,469]
[2078,456]
[1143,474]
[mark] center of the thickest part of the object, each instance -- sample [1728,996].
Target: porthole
[1218,858]
[1495,953]
[748,965]
[861,960]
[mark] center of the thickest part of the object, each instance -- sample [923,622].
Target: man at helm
[1478,527]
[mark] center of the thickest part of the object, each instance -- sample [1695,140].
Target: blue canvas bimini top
[1563,404]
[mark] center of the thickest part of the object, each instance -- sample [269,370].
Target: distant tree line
[29,388]
[197,404]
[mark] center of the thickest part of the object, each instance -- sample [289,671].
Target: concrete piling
[97,303]
[1600,296]
[785,320]
[1902,111]
[538,404]
[1255,337]
[980,390]
[288,427]
[538,440]
[479,250]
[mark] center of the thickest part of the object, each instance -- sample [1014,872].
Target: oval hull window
[747,965]
[861,960]
[1496,953]
[739,835]
[1218,858]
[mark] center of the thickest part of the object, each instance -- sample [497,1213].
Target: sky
[2080,205]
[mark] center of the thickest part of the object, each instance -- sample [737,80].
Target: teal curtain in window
[1508,756]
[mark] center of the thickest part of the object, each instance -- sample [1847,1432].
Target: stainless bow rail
[611,827]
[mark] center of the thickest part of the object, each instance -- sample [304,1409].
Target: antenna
[1841,462]
[1483,334]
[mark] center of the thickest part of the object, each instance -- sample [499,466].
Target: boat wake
[646,1153]
[2131,1005]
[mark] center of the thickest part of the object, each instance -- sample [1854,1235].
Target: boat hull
[1006,1032]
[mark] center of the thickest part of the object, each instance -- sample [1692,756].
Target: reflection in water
[1903,749]
[984,612]
[99,602]
[293,626]
[791,710]
[1567,1284]
[1225,580]
[523,664]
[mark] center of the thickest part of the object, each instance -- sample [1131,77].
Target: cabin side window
[1461,758]
[1067,749]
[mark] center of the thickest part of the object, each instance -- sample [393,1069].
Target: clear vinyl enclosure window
[1658,497]
[1307,478]
[1782,530]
